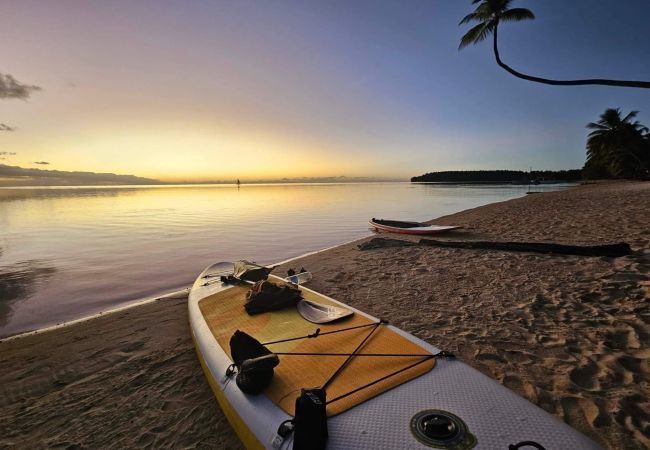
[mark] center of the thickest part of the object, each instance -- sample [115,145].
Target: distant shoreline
[267,183]
[15,176]
[206,183]
[229,183]
[498,183]
[501,176]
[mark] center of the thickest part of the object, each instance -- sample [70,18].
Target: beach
[568,333]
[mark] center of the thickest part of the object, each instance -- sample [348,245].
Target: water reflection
[19,282]
[114,244]
[13,194]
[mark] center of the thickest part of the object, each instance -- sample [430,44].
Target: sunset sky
[205,90]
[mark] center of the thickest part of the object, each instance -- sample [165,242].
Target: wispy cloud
[42,163]
[12,88]
[5,127]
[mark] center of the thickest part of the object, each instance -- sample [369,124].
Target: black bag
[254,362]
[310,422]
[244,346]
[265,296]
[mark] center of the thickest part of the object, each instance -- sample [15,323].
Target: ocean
[68,252]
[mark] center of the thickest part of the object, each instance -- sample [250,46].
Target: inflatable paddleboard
[425,400]
[415,228]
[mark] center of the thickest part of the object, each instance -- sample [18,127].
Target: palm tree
[618,145]
[489,13]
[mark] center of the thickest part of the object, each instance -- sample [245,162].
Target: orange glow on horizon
[196,154]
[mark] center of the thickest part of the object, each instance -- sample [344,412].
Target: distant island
[14,176]
[20,176]
[499,176]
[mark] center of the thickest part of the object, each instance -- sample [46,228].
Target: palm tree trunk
[596,81]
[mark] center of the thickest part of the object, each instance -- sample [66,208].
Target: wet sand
[568,333]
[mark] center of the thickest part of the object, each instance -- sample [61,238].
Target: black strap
[440,354]
[349,358]
[317,333]
[375,325]
[381,379]
[410,355]
[285,428]
[526,444]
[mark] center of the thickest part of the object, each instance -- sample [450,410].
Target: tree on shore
[617,147]
[490,13]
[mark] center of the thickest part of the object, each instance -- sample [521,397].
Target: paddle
[226,268]
[222,268]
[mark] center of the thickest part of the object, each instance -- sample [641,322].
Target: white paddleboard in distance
[412,228]
[495,416]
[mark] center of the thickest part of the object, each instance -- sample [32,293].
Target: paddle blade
[319,313]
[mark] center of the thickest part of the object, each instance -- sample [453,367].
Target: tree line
[617,148]
[498,176]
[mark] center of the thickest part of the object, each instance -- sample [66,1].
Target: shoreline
[181,293]
[570,334]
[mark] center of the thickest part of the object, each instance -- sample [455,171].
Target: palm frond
[517,15]
[596,126]
[631,115]
[470,18]
[611,116]
[476,34]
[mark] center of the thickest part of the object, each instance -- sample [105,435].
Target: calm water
[69,252]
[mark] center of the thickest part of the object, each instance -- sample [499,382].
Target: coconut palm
[619,145]
[489,13]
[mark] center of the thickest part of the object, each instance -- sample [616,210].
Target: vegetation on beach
[617,147]
[490,13]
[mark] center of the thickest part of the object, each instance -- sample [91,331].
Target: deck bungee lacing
[317,333]
[254,362]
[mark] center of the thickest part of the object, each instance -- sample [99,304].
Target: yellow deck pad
[224,313]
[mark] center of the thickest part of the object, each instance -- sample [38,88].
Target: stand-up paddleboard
[433,402]
[404,227]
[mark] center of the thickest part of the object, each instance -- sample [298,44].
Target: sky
[193,90]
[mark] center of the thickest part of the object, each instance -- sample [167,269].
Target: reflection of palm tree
[618,144]
[489,13]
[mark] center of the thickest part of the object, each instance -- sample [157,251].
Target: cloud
[4,127]
[12,88]
[42,163]
[8,153]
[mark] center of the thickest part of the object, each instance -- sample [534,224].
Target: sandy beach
[569,333]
